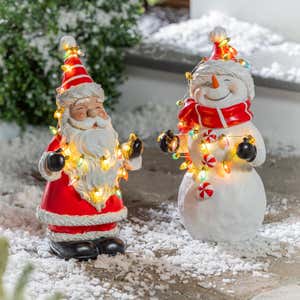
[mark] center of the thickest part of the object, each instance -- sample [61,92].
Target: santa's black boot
[110,246]
[81,250]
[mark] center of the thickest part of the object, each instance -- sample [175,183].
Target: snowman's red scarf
[194,113]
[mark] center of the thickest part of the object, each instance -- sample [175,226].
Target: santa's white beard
[92,143]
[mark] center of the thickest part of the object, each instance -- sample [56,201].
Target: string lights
[207,140]
[75,160]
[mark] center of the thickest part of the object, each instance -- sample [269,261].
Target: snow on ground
[268,52]
[192,35]
[160,252]
[157,17]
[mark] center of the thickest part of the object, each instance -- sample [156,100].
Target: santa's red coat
[70,217]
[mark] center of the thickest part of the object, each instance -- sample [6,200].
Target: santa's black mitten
[137,148]
[55,162]
[246,150]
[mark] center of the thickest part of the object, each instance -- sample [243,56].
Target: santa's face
[218,90]
[86,123]
[87,109]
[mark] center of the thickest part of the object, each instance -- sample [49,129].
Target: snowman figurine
[221,197]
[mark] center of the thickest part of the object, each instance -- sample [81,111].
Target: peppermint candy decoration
[209,160]
[205,190]
[209,136]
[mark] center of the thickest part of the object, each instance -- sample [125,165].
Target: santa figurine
[83,164]
[221,197]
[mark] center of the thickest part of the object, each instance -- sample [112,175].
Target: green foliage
[18,293]
[29,59]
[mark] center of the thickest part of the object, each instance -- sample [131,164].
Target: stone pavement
[159,180]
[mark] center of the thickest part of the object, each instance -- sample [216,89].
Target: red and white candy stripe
[209,136]
[209,160]
[205,190]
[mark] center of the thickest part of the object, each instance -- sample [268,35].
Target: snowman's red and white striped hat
[224,60]
[76,82]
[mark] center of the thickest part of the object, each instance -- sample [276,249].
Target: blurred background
[140,50]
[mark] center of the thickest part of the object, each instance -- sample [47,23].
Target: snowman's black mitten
[166,139]
[246,150]
[55,162]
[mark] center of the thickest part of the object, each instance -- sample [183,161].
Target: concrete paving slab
[289,292]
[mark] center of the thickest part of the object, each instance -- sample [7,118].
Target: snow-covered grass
[271,55]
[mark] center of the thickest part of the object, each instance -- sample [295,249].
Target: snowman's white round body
[236,209]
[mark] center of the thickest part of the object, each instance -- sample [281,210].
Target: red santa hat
[224,60]
[76,82]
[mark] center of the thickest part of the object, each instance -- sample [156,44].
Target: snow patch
[269,53]
[157,17]
[160,252]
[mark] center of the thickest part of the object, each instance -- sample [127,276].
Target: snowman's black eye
[227,80]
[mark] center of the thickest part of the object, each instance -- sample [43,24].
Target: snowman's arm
[133,164]
[260,148]
[45,173]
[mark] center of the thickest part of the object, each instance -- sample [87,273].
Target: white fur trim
[90,235]
[85,220]
[46,174]
[83,90]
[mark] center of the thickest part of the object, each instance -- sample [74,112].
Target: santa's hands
[55,161]
[246,150]
[168,142]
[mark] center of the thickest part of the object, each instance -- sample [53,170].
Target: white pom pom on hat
[218,34]
[67,42]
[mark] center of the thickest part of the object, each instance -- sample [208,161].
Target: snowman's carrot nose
[214,81]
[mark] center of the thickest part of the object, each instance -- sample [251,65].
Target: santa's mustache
[90,123]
